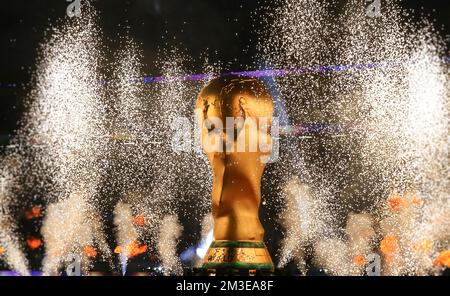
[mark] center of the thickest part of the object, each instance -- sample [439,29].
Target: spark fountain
[10,249]
[362,172]
[396,148]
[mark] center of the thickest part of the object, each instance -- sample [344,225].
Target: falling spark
[126,233]
[169,233]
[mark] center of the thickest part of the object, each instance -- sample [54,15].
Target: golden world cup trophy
[234,114]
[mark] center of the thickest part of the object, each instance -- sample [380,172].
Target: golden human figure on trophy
[234,115]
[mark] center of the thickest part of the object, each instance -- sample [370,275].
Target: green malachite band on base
[238,265]
[237,244]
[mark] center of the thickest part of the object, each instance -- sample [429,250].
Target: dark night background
[224,29]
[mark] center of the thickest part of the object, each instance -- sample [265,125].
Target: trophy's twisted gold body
[237,168]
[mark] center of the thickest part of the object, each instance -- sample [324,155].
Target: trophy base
[238,257]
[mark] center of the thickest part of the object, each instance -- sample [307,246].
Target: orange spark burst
[424,246]
[443,259]
[2,250]
[416,200]
[133,249]
[139,220]
[33,213]
[34,243]
[117,250]
[396,203]
[388,246]
[90,251]
[359,260]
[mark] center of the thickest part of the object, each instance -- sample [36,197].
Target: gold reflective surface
[236,153]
